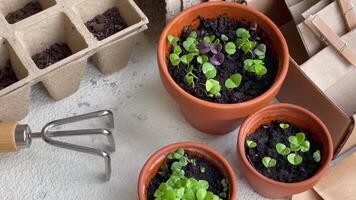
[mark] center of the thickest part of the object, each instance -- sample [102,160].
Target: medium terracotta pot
[154,163]
[300,117]
[210,117]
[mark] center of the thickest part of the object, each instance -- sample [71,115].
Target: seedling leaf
[202,59]
[234,81]
[224,37]
[269,162]
[283,125]
[177,50]
[209,70]
[251,144]
[282,149]
[230,48]
[213,87]
[317,156]
[294,159]
[260,51]
[172,39]
[174,58]
[305,146]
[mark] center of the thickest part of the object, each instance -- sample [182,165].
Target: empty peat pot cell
[53,54]
[11,68]
[106,24]
[18,10]
[284,152]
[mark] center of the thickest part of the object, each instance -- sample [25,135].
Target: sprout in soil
[225,183]
[298,142]
[224,37]
[282,149]
[317,156]
[230,48]
[213,88]
[174,57]
[283,125]
[173,40]
[217,59]
[260,51]
[187,59]
[295,159]
[190,44]
[190,77]
[180,187]
[251,144]
[255,66]
[269,162]
[234,81]
[209,70]
[243,42]
[202,59]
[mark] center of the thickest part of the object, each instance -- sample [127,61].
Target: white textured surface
[146,119]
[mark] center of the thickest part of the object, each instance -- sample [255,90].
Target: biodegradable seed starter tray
[60,25]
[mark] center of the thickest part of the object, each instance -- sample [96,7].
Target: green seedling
[179,187]
[224,38]
[298,142]
[251,144]
[187,59]
[209,70]
[211,39]
[174,59]
[282,149]
[202,169]
[173,40]
[255,66]
[260,51]
[213,88]
[243,42]
[190,78]
[269,162]
[230,48]
[193,34]
[190,45]
[202,59]
[317,156]
[225,183]
[234,81]
[294,159]
[283,125]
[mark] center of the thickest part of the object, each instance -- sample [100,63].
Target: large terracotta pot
[210,117]
[300,117]
[154,163]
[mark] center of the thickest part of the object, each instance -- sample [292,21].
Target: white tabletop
[146,118]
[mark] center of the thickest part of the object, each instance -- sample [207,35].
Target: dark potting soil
[28,10]
[55,53]
[211,174]
[251,86]
[7,76]
[266,137]
[106,24]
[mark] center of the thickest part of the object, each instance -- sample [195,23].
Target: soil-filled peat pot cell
[283,152]
[11,68]
[200,178]
[104,18]
[15,11]
[51,40]
[223,61]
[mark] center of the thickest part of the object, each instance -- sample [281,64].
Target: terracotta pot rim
[164,68]
[148,165]
[316,176]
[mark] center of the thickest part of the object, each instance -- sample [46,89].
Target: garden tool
[14,136]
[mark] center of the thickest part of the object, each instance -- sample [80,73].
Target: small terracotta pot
[210,117]
[154,163]
[300,117]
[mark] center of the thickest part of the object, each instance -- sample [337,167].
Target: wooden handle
[7,137]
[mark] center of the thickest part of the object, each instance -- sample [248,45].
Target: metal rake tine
[47,136]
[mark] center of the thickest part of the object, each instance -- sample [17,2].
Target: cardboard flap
[298,89]
[327,67]
[300,7]
[339,182]
[350,139]
[332,15]
[315,8]
[307,195]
